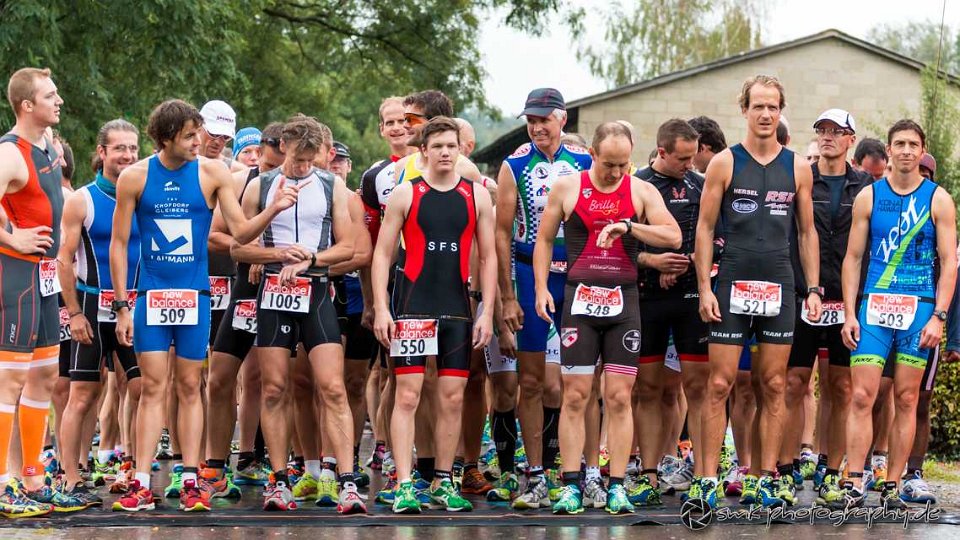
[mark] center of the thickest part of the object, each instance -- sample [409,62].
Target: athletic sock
[177,457]
[143,478]
[356,452]
[6,431]
[551,437]
[313,466]
[795,466]
[571,478]
[835,472]
[536,473]
[218,464]
[104,456]
[822,460]
[189,473]
[426,467]
[329,469]
[245,460]
[280,476]
[787,470]
[442,475]
[33,424]
[344,478]
[505,438]
[614,480]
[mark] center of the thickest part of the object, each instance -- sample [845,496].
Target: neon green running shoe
[328,492]
[176,483]
[306,489]
[405,499]
[570,501]
[554,485]
[751,490]
[617,501]
[644,494]
[446,497]
[504,489]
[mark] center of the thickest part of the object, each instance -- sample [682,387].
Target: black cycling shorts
[454,340]
[679,314]
[318,326]
[585,338]
[361,343]
[733,329]
[930,372]
[236,342]
[809,339]
[85,360]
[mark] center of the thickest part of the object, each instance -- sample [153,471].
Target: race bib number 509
[414,337]
[756,298]
[172,307]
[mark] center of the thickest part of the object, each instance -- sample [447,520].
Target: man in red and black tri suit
[438,214]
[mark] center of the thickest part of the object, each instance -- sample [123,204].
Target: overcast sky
[516,63]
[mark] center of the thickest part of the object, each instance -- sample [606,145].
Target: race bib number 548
[895,311]
[597,301]
[172,307]
[414,337]
[756,298]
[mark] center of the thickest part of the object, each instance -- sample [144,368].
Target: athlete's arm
[850,271]
[342,248]
[807,233]
[74,212]
[506,212]
[245,230]
[362,248]
[253,252]
[718,176]
[129,188]
[550,221]
[393,218]
[944,216]
[660,229]
[220,240]
[33,241]
[487,254]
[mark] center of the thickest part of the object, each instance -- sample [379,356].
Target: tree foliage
[655,37]
[333,59]
[921,41]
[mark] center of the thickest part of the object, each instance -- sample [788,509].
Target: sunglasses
[224,138]
[271,141]
[415,119]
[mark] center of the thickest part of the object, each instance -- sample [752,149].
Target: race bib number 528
[414,337]
[756,298]
[172,307]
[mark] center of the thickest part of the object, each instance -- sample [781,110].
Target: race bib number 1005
[895,311]
[282,297]
[755,298]
[414,337]
[172,307]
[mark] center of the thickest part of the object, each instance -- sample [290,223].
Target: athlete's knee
[575,397]
[355,387]
[840,387]
[531,385]
[273,391]
[81,399]
[796,387]
[695,391]
[332,391]
[406,399]
[862,399]
[302,382]
[649,389]
[616,401]
[719,387]
[220,388]
[452,399]
[188,389]
[773,385]
[905,399]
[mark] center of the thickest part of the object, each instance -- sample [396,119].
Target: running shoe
[306,489]
[879,467]
[135,499]
[890,497]
[536,496]
[278,498]
[375,463]
[706,490]
[49,460]
[87,476]
[604,462]
[735,486]
[680,479]
[915,490]
[797,476]
[295,470]
[14,505]
[219,486]
[768,493]
[818,475]
[570,501]
[594,493]
[446,497]
[327,491]
[350,501]
[750,492]
[726,459]
[489,460]
[830,494]
[554,485]
[405,500]
[154,465]
[504,489]
[852,497]
[86,495]
[868,479]
[618,502]
[808,464]
[253,475]
[644,494]
[474,483]
[61,502]
[163,446]
[388,493]
[192,498]
[104,472]
[787,491]
[360,476]
[176,482]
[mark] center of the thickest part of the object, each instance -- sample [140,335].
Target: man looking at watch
[909,222]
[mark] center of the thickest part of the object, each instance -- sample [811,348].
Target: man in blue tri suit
[524,181]
[172,196]
[909,222]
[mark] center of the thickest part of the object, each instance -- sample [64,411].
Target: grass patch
[941,471]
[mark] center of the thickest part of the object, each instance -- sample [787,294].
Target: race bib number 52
[172,307]
[597,301]
[245,316]
[414,337]
[282,297]
[49,284]
[895,311]
[755,298]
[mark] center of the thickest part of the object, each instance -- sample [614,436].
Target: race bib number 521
[414,337]
[756,298]
[895,311]
[282,297]
[597,301]
[172,307]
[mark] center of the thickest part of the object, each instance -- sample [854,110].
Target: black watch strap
[815,290]
[117,305]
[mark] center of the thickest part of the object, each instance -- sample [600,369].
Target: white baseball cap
[219,118]
[839,117]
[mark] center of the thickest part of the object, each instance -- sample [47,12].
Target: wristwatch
[629,225]
[815,290]
[942,315]
[117,304]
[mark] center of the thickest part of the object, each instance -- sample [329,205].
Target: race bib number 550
[597,301]
[414,337]
[172,307]
[282,297]
[756,298]
[895,311]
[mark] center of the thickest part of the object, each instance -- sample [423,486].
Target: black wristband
[313,259]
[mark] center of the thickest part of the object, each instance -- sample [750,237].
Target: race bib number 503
[756,298]
[414,337]
[172,307]
[895,311]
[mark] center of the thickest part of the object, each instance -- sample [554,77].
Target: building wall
[816,76]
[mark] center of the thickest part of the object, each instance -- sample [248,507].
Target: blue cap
[247,136]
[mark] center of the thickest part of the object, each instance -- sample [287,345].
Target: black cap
[543,101]
[341,149]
